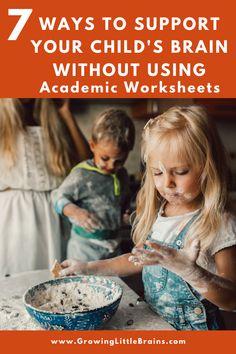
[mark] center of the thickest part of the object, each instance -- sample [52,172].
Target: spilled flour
[70,297]
[13,315]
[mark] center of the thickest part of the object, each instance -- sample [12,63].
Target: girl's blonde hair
[193,137]
[59,155]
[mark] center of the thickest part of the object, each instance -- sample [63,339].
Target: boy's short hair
[114,125]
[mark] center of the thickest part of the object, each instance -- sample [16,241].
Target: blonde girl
[184,231]
[39,143]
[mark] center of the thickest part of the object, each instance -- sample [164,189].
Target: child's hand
[71,267]
[126,217]
[64,109]
[178,261]
[84,218]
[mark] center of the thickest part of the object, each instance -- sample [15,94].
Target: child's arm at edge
[118,266]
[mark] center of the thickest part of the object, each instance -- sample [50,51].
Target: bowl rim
[27,305]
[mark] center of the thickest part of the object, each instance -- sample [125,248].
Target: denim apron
[175,300]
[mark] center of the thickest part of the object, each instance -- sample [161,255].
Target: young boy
[96,193]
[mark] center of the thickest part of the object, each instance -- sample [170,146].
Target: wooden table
[131,314]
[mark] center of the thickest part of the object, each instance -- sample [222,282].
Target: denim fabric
[175,300]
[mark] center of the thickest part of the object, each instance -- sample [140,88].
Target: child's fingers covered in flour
[72,267]
[86,219]
[145,256]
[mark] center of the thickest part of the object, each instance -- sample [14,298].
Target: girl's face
[107,156]
[176,181]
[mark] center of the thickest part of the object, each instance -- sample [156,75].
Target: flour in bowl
[70,297]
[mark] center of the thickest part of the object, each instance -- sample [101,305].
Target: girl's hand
[85,219]
[72,266]
[181,262]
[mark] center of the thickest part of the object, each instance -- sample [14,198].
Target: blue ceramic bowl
[86,320]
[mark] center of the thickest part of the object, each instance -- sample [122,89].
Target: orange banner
[118,49]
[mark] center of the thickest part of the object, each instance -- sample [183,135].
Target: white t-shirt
[166,229]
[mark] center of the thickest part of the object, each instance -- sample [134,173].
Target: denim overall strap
[173,298]
[88,167]
[179,241]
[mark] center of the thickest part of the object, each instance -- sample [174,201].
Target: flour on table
[13,316]
[69,297]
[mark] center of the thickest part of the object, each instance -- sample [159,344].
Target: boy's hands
[181,262]
[86,220]
[71,267]
[82,217]
[126,217]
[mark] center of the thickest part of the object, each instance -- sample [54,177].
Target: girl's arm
[118,266]
[221,288]
[80,142]
[218,288]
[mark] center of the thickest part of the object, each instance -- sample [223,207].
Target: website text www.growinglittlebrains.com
[118,341]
